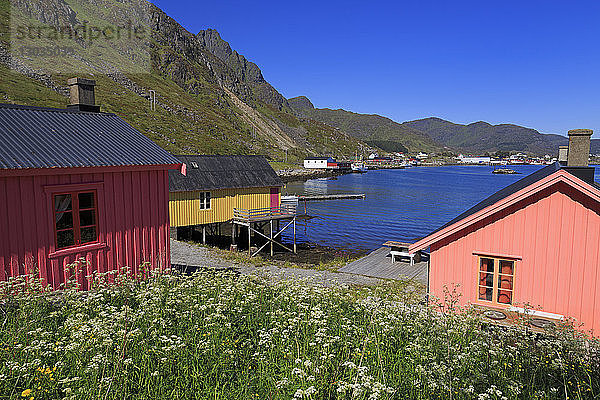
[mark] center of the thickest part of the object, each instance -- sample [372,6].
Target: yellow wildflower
[26,392]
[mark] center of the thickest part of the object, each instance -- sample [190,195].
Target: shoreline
[303,175]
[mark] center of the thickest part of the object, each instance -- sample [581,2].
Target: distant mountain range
[375,130]
[435,134]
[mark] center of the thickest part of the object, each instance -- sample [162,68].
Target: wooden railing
[264,213]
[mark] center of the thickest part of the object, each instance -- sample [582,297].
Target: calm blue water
[400,204]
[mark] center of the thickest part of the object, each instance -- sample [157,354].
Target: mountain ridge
[475,137]
[206,102]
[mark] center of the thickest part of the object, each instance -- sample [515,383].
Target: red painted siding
[555,235]
[133,223]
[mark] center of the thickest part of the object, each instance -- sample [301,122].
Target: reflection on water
[400,204]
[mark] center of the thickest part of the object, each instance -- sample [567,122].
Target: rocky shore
[303,174]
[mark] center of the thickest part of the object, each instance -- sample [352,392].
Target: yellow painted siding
[184,207]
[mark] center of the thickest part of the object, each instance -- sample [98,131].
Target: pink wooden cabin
[77,183]
[535,242]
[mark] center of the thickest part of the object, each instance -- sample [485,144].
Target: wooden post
[249,232]
[271,223]
[233,226]
[203,234]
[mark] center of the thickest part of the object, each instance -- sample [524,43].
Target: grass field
[221,336]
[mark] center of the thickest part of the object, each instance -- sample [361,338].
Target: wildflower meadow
[217,335]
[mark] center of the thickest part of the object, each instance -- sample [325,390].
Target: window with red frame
[75,219]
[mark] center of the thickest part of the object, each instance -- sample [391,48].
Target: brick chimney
[579,147]
[82,95]
[578,155]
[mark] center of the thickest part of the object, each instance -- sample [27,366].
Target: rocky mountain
[374,129]
[210,99]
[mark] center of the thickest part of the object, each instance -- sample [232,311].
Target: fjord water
[401,204]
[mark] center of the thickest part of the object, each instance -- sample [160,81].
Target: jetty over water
[338,196]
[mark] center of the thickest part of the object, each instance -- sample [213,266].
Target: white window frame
[205,200]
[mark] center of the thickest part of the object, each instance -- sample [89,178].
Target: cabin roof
[40,137]
[505,193]
[318,158]
[223,172]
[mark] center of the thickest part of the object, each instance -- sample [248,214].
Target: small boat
[504,171]
[359,168]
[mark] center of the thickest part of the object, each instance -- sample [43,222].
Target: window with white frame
[205,200]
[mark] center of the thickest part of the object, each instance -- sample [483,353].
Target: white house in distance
[318,162]
[473,160]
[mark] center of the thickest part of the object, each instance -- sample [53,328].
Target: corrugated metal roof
[223,172]
[37,137]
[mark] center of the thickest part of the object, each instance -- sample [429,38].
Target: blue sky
[532,63]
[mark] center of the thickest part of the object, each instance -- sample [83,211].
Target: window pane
[62,202]
[207,200]
[202,201]
[88,234]
[64,239]
[486,279]
[505,296]
[487,265]
[64,220]
[485,293]
[87,218]
[506,267]
[505,282]
[86,200]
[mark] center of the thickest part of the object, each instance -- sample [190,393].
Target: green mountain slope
[373,129]
[210,99]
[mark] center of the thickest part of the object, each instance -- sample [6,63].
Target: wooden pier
[331,197]
[257,219]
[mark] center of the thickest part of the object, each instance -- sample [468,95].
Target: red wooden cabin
[534,243]
[77,183]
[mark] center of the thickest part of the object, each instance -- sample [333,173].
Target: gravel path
[186,254]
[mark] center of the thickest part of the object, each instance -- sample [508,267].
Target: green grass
[221,336]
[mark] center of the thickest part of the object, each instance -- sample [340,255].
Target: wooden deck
[263,214]
[257,219]
[378,264]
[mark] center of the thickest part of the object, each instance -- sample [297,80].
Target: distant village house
[318,162]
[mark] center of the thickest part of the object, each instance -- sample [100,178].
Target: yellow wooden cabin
[216,185]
